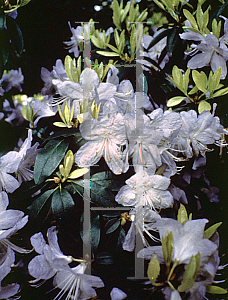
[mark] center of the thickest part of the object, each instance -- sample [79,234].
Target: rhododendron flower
[11,221]
[188,241]
[14,78]
[106,138]
[143,189]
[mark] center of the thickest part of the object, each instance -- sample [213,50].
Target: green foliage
[211,230]
[49,158]
[61,202]
[168,247]
[153,269]
[190,273]
[182,216]
[213,289]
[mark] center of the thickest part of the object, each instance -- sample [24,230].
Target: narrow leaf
[153,269]
[211,230]
[213,289]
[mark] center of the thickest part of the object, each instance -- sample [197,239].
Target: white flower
[128,101]
[145,190]
[78,34]
[197,132]
[211,53]
[7,258]
[28,155]
[75,284]
[154,52]
[143,138]
[52,262]
[9,164]
[106,138]
[51,258]
[143,220]
[117,294]
[10,222]
[14,78]
[188,241]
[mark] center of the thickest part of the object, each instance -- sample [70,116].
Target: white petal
[175,295]
[40,268]
[218,61]
[4,201]
[90,153]
[199,60]
[38,242]
[10,290]
[9,183]
[117,294]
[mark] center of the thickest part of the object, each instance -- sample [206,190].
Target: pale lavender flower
[14,78]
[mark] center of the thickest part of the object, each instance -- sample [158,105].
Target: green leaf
[61,202]
[182,216]
[204,105]
[153,269]
[65,133]
[101,196]
[177,76]
[211,230]
[106,53]
[39,203]
[15,34]
[186,80]
[213,289]
[200,80]
[216,78]
[190,18]
[94,234]
[112,225]
[49,158]
[221,92]
[190,273]
[168,247]
[172,39]
[175,101]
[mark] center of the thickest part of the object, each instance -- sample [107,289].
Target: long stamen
[140,153]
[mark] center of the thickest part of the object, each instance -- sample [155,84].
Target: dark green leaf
[172,40]
[65,133]
[93,235]
[2,19]
[49,158]
[104,258]
[38,204]
[112,225]
[99,195]
[106,179]
[15,34]
[159,37]
[61,202]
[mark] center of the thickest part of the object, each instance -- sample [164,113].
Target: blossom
[7,259]
[154,52]
[53,263]
[188,241]
[128,101]
[143,189]
[11,221]
[197,132]
[78,34]
[9,164]
[106,138]
[28,155]
[51,258]
[14,78]
[211,52]
[76,284]
[117,294]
